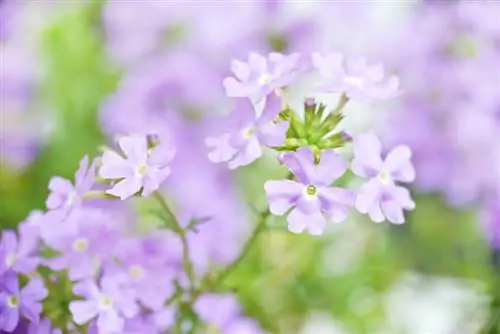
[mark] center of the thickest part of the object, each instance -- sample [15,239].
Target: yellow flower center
[384,176]
[264,79]
[11,258]
[142,170]
[81,245]
[136,272]
[105,302]
[13,301]
[311,190]
[248,132]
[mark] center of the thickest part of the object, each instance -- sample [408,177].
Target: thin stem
[259,228]
[188,266]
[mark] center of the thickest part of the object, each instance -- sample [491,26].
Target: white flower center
[81,245]
[136,272]
[248,132]
[264,79]
[13,301]
[142,169]
[10,259]
[311,192]
[354,81]
[384,176]
[105,303]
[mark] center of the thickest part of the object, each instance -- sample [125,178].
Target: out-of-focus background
[73,72]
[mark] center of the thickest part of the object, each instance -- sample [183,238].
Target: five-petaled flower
[381,197]
[18,254]
[355,77]
[312,197]
[261,76]
[241,145]
[144,168]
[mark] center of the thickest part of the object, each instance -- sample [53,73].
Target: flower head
[312,197]
[110,303]
[381,197]
[355,78]
[261,76]
[15,303]
[241,145]
[44,327]
[17,254]
[64,195]
[143,168]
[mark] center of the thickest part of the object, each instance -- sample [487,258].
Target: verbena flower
[15,302]
[64,196]
[241,145]
[381,197]
[110,303]
[19,254]
[83,245]
[44,327]
[221,313]
[356,78]
[261,76]
[143,168]
[311,198]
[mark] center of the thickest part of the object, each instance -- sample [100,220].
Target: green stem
[259,228]
[188,266]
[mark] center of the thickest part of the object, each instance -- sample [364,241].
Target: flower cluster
[171,279]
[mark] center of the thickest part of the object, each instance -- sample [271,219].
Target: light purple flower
[312,197]
[86,244]
[143,168]
[110,303]
[141,264]
[64,195]
[381,197]
[222,313]
[241,145]
[15,302]
[355,78]
[44,327]
[18,254]
[261,76]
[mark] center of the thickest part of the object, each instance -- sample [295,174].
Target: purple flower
[142,263]
[15,302]
[144,168]
[261,76]
[312,197]
[241,145]
[356,78]
[110,303]
[223,314]
[44,327]
[18,255]
[380,197]
[85,244]
[63,195]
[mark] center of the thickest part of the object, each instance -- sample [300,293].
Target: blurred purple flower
[18,254]
[110,303]
[242,145]
[83,246]
[380,197]
[355,78]
[223,314]
[44,327]
[261,76]
[64,196]
[15,302]
[312,197]
[143,169]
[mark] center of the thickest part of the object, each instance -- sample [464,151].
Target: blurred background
[75,73]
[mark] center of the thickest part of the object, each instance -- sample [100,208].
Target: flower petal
[330,167]
[367,150]
[126,188]
[114,166]
[83,311]
[282,195]
[398,163]
[313,223]
[135,148]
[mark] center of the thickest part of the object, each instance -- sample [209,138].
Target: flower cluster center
[384,176]
[13,301]
[106,302]
[136,272]
[81,245]
[142,169]
[10,259]
[264,79]
[311,190]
